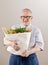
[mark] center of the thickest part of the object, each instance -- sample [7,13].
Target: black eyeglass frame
[26,16]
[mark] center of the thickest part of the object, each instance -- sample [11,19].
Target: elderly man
[36,44]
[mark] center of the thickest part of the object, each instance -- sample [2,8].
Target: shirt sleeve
[39,40]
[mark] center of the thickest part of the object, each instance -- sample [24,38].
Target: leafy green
[20,30]
[17,30]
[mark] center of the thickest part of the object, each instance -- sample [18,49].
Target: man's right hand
[15,46]
[11,43]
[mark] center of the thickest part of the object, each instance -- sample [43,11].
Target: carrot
[29,30]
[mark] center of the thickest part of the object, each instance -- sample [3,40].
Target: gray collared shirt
[36,38]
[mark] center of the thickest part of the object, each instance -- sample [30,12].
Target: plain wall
[9,15]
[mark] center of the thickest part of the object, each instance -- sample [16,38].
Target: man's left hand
[26,53]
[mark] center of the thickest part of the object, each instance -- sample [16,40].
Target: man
[36,44]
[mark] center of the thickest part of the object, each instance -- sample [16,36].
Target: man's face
[26,18]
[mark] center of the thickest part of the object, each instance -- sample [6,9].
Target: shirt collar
[24,26]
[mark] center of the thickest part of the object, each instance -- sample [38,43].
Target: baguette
[4,30]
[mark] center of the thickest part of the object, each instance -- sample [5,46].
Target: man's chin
[26,24]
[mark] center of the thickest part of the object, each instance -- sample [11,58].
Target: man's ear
[32,17]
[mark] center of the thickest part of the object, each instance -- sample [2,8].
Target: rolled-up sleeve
[39,40]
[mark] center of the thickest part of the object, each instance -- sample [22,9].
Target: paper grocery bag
[22,40]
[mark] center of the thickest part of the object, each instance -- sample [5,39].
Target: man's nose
[25,19]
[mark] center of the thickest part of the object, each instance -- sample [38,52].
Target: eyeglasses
[26,16]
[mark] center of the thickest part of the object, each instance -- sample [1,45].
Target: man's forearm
[34,50]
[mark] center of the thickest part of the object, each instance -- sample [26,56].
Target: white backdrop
[9,15]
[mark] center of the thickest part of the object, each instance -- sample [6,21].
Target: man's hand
[11,43]
[26,53]
[15,46]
